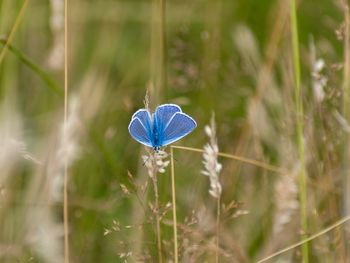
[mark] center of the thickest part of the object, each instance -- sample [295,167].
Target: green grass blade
[300,129]
[41,73]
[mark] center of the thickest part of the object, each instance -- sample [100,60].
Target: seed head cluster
[212,167]
[155,162]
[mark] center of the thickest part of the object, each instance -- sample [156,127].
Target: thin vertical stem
[300,132]
[156,197]
[13,30]
[174,204]
[346,114]
[158,55]
[346,72]
[163,73]
[218,211]
[65,185]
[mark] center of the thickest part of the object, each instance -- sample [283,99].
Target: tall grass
[173,194]
[346,113]
[65,180]
[13,30]
[300,130]
[283,149]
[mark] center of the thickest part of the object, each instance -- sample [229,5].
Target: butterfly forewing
[144,116]
[163,115]
[139,132]
[179,126]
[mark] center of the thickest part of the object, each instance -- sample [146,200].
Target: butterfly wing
[178,127]
[160,119]
[143,116]
[139,132]
[167,125]
[164,113]
[140,127]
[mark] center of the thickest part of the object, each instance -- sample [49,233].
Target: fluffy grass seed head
[212,167]
[55,58]
[319,80]
[155,162]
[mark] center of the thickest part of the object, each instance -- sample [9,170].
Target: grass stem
[305,241]
[13,30]
[156,197]
[300,132]
[238,158]
[51,83]
[346,114]
[346,70]
[158,55]
[65,184]
[162,39]
[173,192]
[218,212]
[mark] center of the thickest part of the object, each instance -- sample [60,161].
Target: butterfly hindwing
[178,127]
[139,132]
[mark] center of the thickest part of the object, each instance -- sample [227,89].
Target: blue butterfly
[166,125]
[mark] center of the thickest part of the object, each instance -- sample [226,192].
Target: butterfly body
[165,126]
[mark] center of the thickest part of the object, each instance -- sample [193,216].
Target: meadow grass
[65,166]
[282,124]
[300,128]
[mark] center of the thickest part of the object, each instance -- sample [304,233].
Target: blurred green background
[233,58]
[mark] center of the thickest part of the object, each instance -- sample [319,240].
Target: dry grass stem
[155,163]
[173,193]
[302,242]
[65,180]
[238,158]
